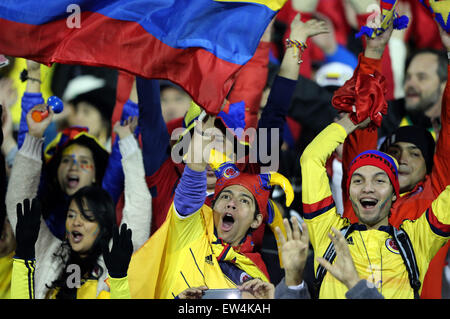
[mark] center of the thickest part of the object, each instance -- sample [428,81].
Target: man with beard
[424,85]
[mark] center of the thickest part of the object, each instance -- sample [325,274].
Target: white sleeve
[137,212]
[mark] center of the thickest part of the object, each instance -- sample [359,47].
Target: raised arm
[316,193]
[31,97]
[362,140]
[190,193]
[137,212]
[26,172]
[440,175]
[279,101]
[27,230]
[113,180]
[153,128]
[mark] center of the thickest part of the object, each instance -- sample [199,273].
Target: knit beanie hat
[416,135]
[378,159]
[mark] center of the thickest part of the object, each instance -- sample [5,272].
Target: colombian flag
[440,9]
[198,44]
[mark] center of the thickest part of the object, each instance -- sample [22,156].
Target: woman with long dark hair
[83,260]
[53,256]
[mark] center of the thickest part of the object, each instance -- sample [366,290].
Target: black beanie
[416,135]
[103,99]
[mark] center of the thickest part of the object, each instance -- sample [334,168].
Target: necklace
[374,283]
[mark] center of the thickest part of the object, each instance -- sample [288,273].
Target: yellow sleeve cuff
[119,288]
[22,280]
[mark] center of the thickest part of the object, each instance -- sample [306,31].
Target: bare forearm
[347,124]
[374,53]
[33,82]
[293,277]
[289,66]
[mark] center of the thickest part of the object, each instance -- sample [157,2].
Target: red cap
[253,183]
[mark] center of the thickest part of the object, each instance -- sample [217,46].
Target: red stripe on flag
[123,45]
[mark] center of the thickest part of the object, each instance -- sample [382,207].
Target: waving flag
[198,44]
[440,10]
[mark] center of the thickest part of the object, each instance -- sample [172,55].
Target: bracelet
[298,46]
[24,76]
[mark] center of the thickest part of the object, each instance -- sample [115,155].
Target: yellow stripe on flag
[274,5]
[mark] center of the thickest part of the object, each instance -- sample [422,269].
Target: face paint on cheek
[95,231]
[87,167]
[383,204]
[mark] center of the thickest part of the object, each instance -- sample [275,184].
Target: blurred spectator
[93,102]
[174,101]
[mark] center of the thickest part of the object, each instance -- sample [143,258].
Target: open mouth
[411,93]
[368,203]
[76,236]
[227,222]
[72,181]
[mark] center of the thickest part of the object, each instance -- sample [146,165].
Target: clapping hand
[343,268]
[294,250]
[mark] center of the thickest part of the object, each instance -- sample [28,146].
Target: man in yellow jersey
[203,246]
[373,187]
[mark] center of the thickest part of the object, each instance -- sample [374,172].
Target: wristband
[24,76]
[300,46]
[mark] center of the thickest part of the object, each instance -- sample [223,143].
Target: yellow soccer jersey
[182,254]
[6,266]
[374,252]
[22,285]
